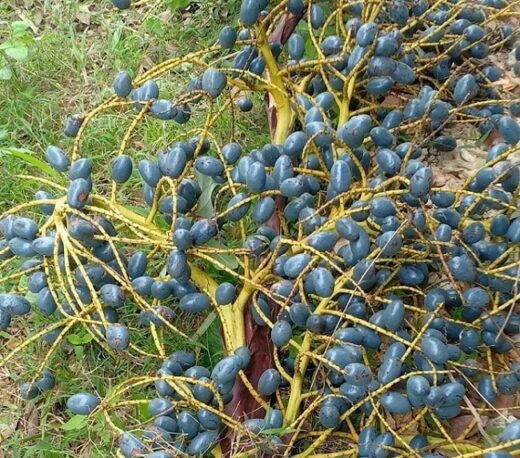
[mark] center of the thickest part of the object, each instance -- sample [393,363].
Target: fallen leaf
[459,424]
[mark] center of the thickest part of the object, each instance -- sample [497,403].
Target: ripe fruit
[73,125]
[82,403]
[281,333]
[213,82]
[225,293]
[202,443]
[122,4]
[396,403]
[227,37]
[57,159]
[118,336]
[269,382]
[194,303]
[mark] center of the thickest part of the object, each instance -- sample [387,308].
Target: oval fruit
[269,382]
[83,403]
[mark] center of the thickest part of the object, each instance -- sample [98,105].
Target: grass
[73,51]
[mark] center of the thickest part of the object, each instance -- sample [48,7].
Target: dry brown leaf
[459,424]
[511,404]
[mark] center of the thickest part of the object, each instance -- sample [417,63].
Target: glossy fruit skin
[323,282]
[123,84]
[355,130]
[296,46]
[366,34]
[226,369]
[137,264]
[82,168]
[281,333]
[14,304]
[263,210]
[435,350]
[395,403]
[118,336]
[231,152]
[46,382]
[122,4]
[329,416]
[57,159]
[82,403]
[188,423]
[340,176]
[269,382]
[194,303]
[511,432]
[509,129]
[225,293]
[465,89]
[202,443]
[227,37]
[130,446]
[73,125]
[29,391]
[5,319]
[213,82]
[388,161]
[389,370]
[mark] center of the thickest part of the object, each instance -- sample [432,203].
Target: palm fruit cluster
[362,291]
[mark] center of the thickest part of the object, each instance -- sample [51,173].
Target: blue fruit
[249,12]
[194,303]
[118,336]
[269,382]
[396,403]
[296,46]
[366,34]
[465,89]
[388,161]
[57,159]
[281,333]
[73,125]
[123,84]
[227,37]
[317,16]
[435,350]
[82,403]
[354,131]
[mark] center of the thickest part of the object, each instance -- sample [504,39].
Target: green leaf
[34,450]
[480,141]
[76,423]
[139,210]
[310,50]
[28,157]
[20,52]
[228,259]
[205,204]
[154,25]
[79,351]
[278,431]
[142,413]
[6,73]
[178,4]
[19,27]
[76,339]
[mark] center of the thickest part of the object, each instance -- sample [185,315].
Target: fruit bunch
[365,302]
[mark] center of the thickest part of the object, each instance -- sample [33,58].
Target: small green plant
[355,298]
[18,47]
